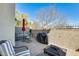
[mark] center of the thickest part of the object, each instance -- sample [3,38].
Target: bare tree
[49,17]
[61,21]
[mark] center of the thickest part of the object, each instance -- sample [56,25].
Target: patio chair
[20,36]
[7,49]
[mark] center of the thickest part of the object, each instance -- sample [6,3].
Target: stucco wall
[68,38]
[7,22]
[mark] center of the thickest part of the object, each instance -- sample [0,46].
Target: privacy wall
[7,22]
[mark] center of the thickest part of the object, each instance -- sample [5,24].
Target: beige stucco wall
[68,38]
[7,21]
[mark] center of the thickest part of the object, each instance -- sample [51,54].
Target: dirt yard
[66,38]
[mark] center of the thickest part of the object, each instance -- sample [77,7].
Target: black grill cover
[42,38]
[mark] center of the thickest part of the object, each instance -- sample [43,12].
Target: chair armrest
[20,47]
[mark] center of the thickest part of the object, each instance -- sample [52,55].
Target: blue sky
[70,10]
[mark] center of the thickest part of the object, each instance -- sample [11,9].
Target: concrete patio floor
[35,47]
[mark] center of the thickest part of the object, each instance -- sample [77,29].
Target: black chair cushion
[2,41]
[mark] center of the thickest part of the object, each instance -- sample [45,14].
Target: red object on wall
[23,25]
